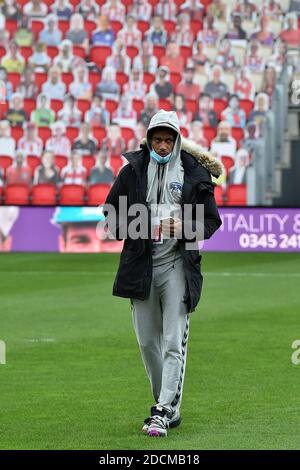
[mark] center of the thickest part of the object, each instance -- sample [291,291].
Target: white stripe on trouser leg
[178,397]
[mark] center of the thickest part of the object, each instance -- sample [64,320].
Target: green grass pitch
[74,378]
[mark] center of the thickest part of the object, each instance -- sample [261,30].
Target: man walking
[161,274]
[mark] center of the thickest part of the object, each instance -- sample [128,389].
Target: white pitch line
[112,273]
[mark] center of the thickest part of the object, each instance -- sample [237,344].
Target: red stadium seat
[67,78]
[170,26]
[79,51]
[99,54]
[116,163]
[132,51]
[72,195]
[89,27]
[191,105]
[5,162]
[175,78]
[17,194]
[127,134]
[121,79]
[83,105]
[36,27]
[153,2]
[237,195]
[219,106]
[99,133]
[44,133]
[76,2]
[52,51]
[3,108]
[63,26]
[88,161]
[2,51]
[17,133]
[196,26]
[26,52]
[40,79]
[138,105]
[148,79]
[184,132]
[209,133]
[159,52]
[186,52]
[219,195]
[238,134]
[126,3]
[165,104]
[43,195]
[116,26]
[97,193]
[72,133]
[11,26]
[56,105]
[14,78]
[29,105]
[247,106]
[1,194]
[33,161]
[21,3]
[228,163]
[94,79]
[60,161]
[111,106]
[143,26]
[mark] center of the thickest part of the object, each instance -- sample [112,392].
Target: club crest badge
[176,191]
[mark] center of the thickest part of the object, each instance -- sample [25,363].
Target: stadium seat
[26,52]
[11,26]
[228,163]
[148,79]
[72,195]
[67,78]
[116,26]
[209,133]
[121,79]
[165,104]
[83,105]
[56,105]
[1,194]
[111,106]
[186,52]
[238,134]
[143,26]
[33,161]
[175,79]
[14,78]
[72,133]
[170,26]
[40,79]
[247,106]
[63,26]
[99,133]
[219,195]
[52,51]
[191,105]
[79,51]
[76,2]
[43,195]
[2,51]
[196,26]
[116,163]
[94,79]
[3,108]
[5,162]
[29,105]
[17,133]
[237,195]
[97,193]
[44,133]
[60,161]
[99,54]
[219,106]
[17,194]
[127,134]
[89,27]
[132,51]
[159,52]
[36,27]
[184,132]
[138,106]
[88,161]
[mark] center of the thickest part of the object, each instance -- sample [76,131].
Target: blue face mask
[158,158]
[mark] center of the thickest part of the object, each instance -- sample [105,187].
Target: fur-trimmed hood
[212,164]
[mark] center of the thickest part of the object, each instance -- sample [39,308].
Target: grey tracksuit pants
[161,325]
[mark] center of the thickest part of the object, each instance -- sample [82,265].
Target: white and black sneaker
[158,422]
[173,420]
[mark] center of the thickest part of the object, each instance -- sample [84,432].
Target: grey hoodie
[170,185]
